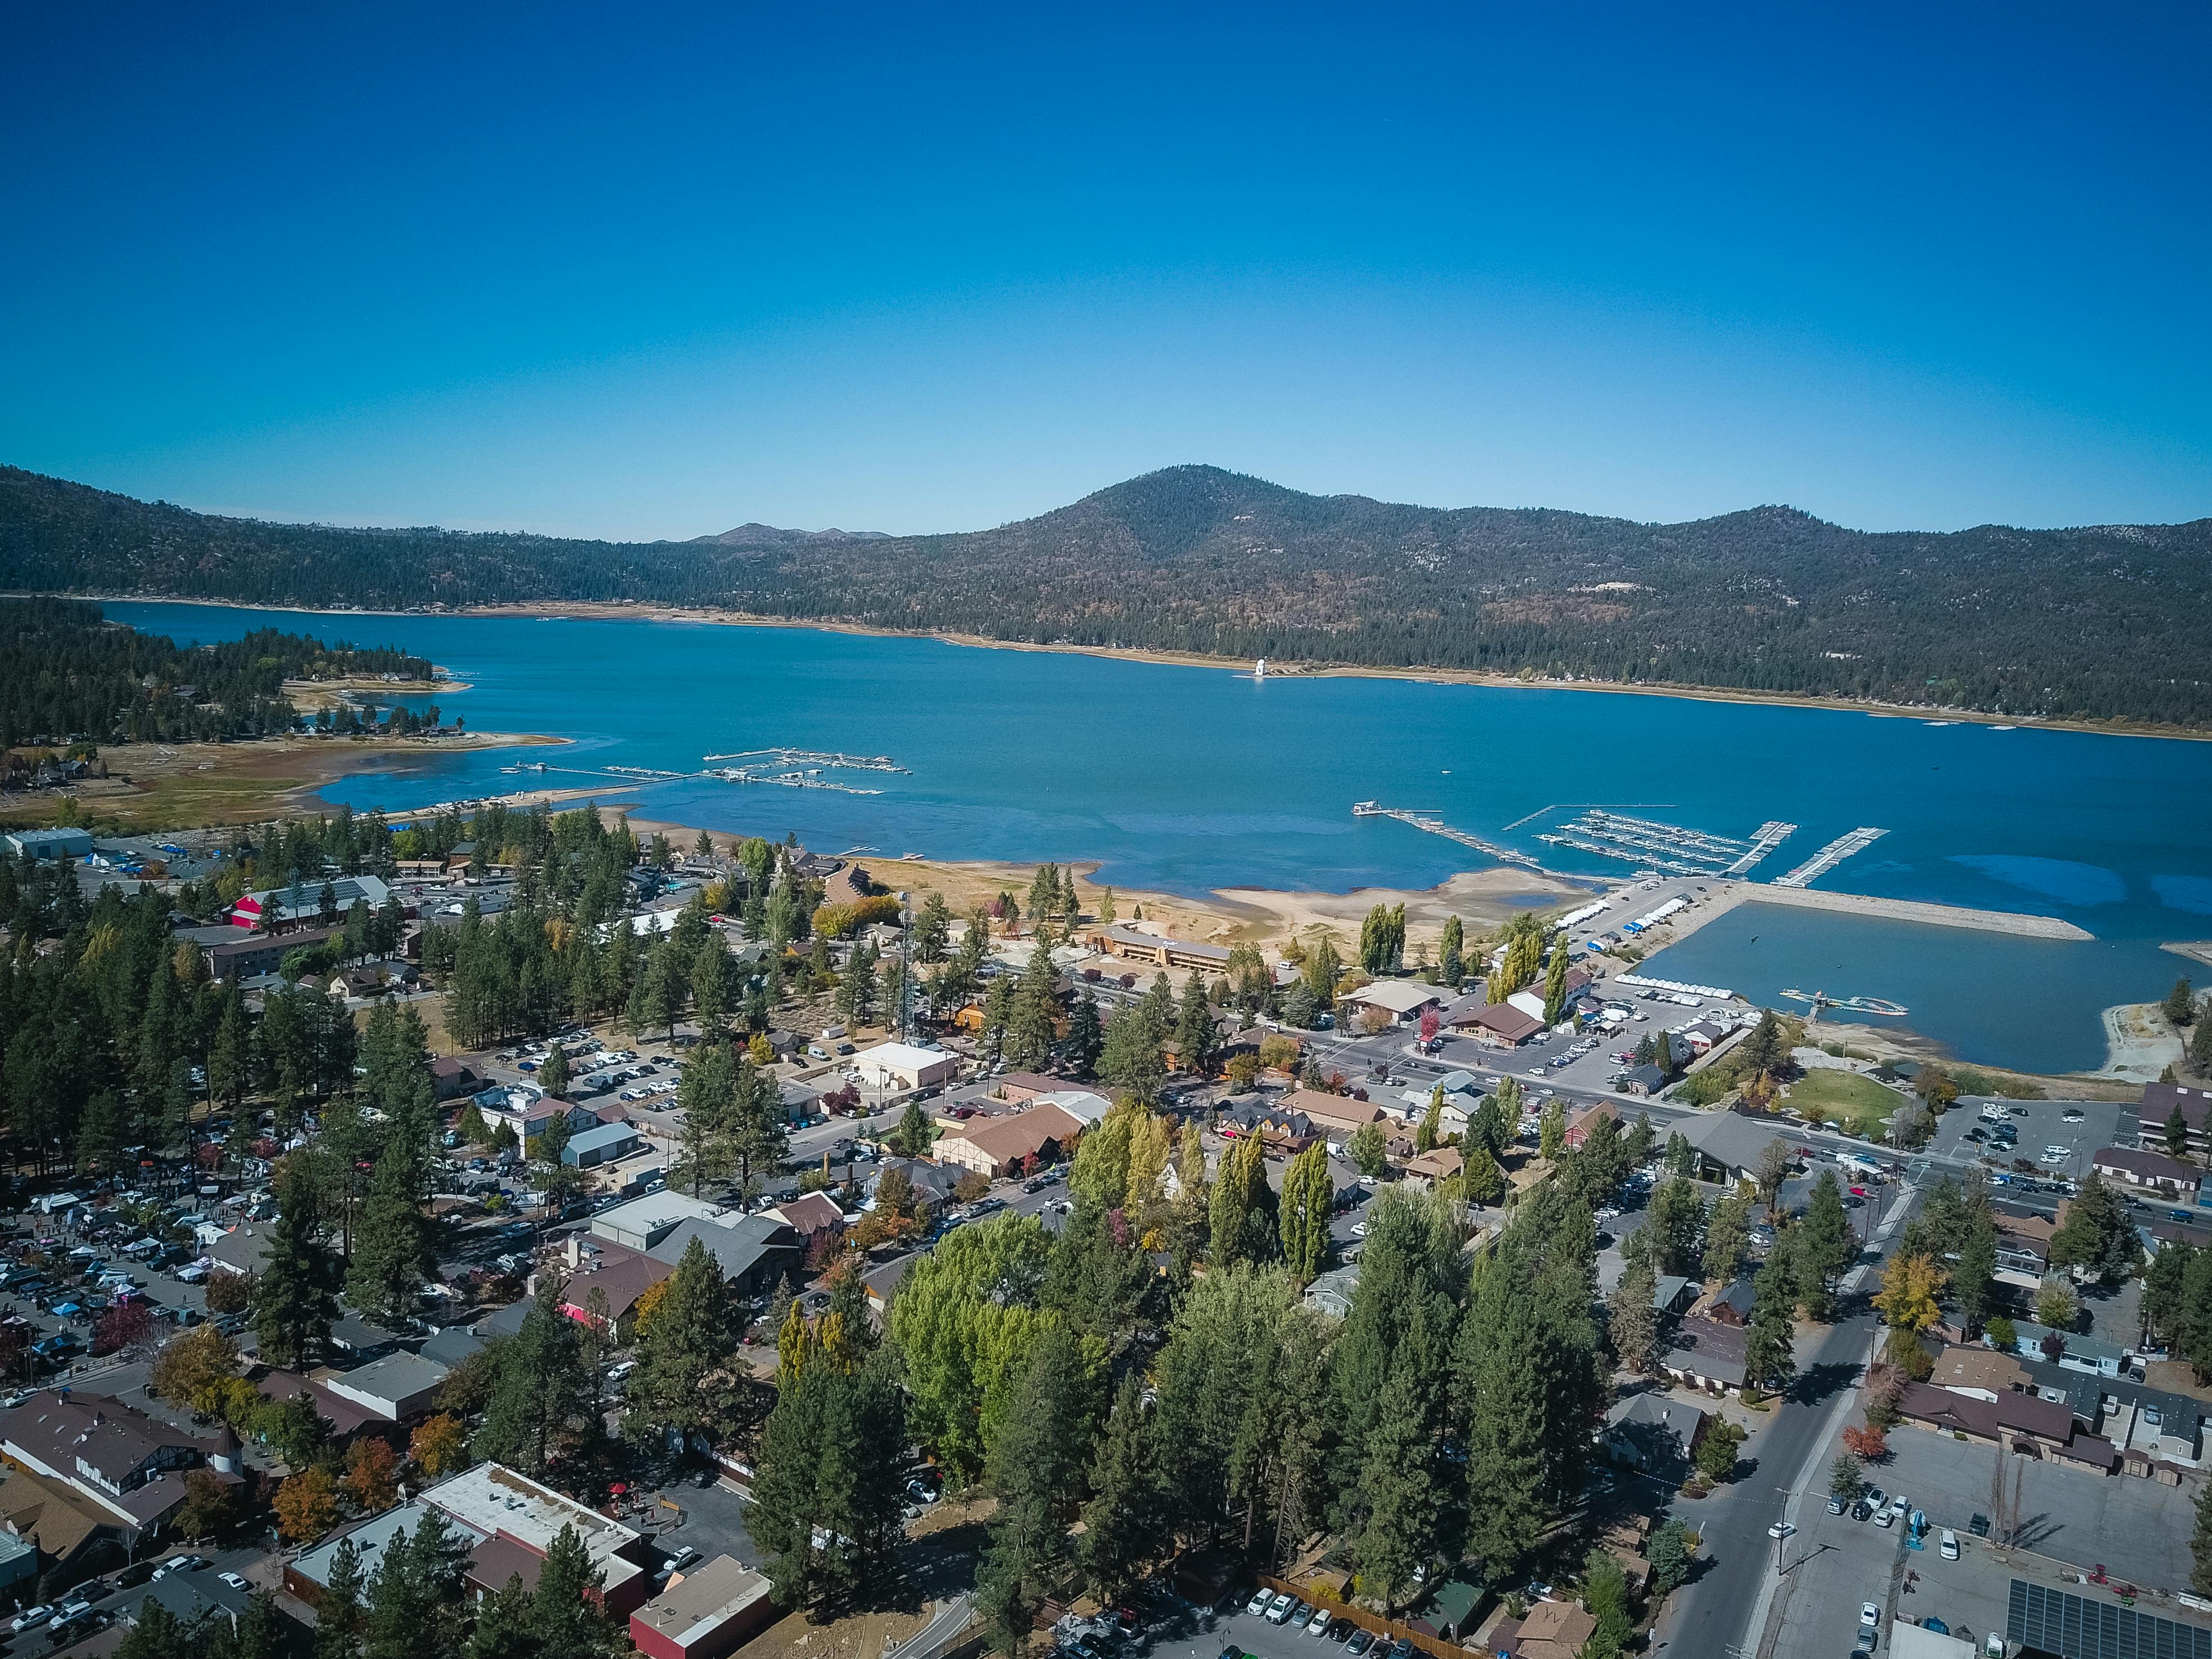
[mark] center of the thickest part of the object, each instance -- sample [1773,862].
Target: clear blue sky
[647,272]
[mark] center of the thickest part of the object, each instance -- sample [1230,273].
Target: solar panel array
[2045,1620]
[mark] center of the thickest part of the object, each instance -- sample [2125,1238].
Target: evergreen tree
[1402,1480]
[1823,1244]
[538,1394]
[683,1380]
[2098,1234]
[1086,1038]
[339,1612]
[1035,1473]
[2200,1546]
[1728,1238]
[1631,1322]
[566,1618]
[1432,1125]
[553,1074]
[1121,1524]
[1488,1128]
[1451,967]
[1237,1188]
[392,1244]
[1195,1038]
[294,1303]
[912,1138]
[1973,1279]
[1131,1060]
[2180,1002]
[1770,1349]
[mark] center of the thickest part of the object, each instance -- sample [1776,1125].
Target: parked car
[1362,1640]
[31,1619]
[1258,1605]
[1279,1607]
[1947,1545]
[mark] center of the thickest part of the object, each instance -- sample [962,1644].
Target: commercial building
[1338,1116]
[45,844]
[751,1253]
[396,1388]
[703,1613]
[1402,1001]
[1132,944]
[331,897]
[605,1280]
[602,1144]
[2020,1423]
[905,1065]
[2164,1102]
[992,1146]
[2154,1173]
[1498,1025]
[644,1222]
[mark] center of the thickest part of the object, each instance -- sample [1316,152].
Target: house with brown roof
[112,1457]
[1498,1025]
[2018,1422]
[1439,1163]
[1978,1373]
[992,1146]
[1338,1116]
[2151,1172]
[808,1214]
[2163,1102]
[1553,1630]
[614,1271]
[1583,1123]
[1707,1355]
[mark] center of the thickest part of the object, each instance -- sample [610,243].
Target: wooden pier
[1424,818]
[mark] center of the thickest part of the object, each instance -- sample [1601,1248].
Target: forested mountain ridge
[2105,622]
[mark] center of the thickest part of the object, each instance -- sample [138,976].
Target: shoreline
[616,610]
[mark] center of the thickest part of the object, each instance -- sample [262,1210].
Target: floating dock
[1424,818]
[1829,857]
[812,758]
[1820,999]
[1770,835]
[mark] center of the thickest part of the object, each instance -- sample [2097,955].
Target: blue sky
[639,272]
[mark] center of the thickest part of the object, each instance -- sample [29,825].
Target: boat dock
[812,758]
[1424,818]
[1770,835]
[1829,857]
[1668,847]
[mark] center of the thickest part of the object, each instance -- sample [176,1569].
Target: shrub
[1868,1445]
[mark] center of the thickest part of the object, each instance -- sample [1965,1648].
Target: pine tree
[686,1348]
[538,1392]
[1194,1037]
[1086,1038]
[1823,1246]
[1631,1322]
[1400,1480]
[553,1075]
[294,1302]
[1121,1524]
[1770,1349]
[912,1137]
[2200,1546]
[566,1617]
[338,1615]
[1451,966]
[1130,1060]
[1035,1473]
[1236,1186]
[392,1244]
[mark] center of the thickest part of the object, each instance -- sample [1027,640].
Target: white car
[1258,1604]
[236,1581]
[1869,1618]
[1319,1624]
[1279,1607]
[2072,1115]
[31,1618]
[1780,1529]
[1947,1545]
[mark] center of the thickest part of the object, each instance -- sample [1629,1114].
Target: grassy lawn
[1845,1097]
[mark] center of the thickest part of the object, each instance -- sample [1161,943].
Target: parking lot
[2077,1129]
[2137,1530]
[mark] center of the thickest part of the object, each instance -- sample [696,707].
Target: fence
[1390,1629]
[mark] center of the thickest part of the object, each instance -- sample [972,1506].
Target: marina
[1770,835]
[1820,1000]
[1666,847]
[814,758]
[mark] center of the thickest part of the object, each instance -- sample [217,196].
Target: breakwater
[2019,924]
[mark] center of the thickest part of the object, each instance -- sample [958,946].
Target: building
[644,1222]
[1655,1434]
[703,1613]
[396,1388]
[602,1144]
[2152,1173]
[614,1272]
[1020,1088]
[239,959]
[1402,1002]
[1085,1106]
[808,1214]
[751,1253]
[43,845]
[1729,1147]
[1332,1292]
[1707,1355]
[992,1146]
[906,1066]
[527,1114]
[1285,1130]
[880,1284]
[113,1460]
[1530,1001]
[1583,1124]
[1499,1025]
[1643,1080]
[2073,1350]
[2020,1423]
[2162,1103]
[347,1420]
[1553,1630]
[1437,1164]
[1134,945]
[283,907]
[1979,1373]
[452,1078]
[508,1521]
[1339,1117]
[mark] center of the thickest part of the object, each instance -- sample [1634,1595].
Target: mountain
[767,535]
[2108,621]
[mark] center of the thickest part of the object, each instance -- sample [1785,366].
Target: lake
[1192,779]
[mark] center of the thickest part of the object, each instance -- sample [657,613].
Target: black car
[1979,1526]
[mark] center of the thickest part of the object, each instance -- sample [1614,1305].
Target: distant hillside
[767,535]
[2107,622]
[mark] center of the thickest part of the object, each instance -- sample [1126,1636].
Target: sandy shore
[601,610]
[2141,1042]
[2197,949]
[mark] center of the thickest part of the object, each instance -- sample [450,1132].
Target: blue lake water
[1193,779]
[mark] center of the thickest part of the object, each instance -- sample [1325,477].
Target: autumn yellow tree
[1908,1299]
[195,1368]
[307,1505]
[439,1446]
[648,1304]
